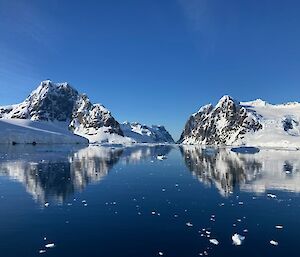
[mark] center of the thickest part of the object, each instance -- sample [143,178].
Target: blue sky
[152,61]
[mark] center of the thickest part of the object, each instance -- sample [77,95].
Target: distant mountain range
[56,113]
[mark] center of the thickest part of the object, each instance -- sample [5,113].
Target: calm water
[106,201]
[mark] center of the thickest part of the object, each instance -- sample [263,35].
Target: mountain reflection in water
[226,170]
[56,173]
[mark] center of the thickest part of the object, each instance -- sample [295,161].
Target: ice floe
[237,239]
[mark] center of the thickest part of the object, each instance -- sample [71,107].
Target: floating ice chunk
[272,242]
[42,251]
[46,204]
[279,226]
[153,212]
[161,157]
[214,241]
[237,239]
[160,253]
[245,150]
[51,245]
[241,203]
[189,224]
[271,195]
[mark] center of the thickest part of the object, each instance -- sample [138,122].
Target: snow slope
[41,132]
[255,123]
[280,124]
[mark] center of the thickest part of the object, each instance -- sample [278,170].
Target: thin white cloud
[201,20]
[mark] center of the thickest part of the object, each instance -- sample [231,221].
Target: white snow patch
[23,131]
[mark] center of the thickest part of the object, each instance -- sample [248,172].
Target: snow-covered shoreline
[22,131]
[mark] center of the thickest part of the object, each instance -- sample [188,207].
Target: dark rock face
[48,102]
[162,135]
[223,124]
[289,123]
[86,115]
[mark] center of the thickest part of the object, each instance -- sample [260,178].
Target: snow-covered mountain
[255,123]
[62,105]
[146,134]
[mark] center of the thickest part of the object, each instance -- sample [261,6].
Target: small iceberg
[51,245]
[237,239]
[245,150]
[214,241]
[272,242]
[161,157]
[189,224]
[271,196]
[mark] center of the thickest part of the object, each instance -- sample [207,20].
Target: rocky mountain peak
[222,124]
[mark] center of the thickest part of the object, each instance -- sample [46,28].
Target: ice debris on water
[51,245]
[279,226]
[160,253]
[271,195]
[161,157]
[237,239]
[42,251]
[272,242]
[189,224]
[46,204]
[214,241]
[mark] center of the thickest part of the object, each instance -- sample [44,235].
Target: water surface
[114,201]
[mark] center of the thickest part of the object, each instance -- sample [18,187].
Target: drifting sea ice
[189,224]
[272,242]
[51,245]
[214,241]
[237,239]
[271,195]
[161,157]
